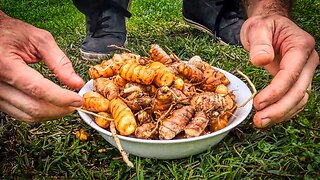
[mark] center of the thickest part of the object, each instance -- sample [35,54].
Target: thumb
[256,37]
[56,60]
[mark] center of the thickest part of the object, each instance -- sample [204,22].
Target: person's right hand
[287,52]
[24,93]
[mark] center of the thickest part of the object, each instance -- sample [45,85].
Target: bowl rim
[230,126]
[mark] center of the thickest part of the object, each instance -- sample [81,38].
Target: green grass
[51,150]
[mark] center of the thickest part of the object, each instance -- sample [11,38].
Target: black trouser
[88,7]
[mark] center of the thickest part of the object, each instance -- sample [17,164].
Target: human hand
[287,53]
[24,93]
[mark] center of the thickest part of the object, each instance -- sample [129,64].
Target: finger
[273,67]
[293,101]
[13,111]
[297,109]
[56,60]
[300,106]
[257,39]
[290,69]
[27,108]
[266,122]
[31,82]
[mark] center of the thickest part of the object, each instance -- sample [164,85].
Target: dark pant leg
[87,7]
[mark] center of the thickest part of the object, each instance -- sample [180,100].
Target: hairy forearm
[267,7]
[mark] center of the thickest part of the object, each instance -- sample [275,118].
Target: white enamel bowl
[180,148]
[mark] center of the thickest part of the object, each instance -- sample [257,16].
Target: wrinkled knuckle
[44,37]
[35,90]
[307,43]
[65,64]
[255,24]
[310,41]
[35,112]
[294,76]
[274,92]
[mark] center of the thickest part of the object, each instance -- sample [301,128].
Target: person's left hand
[287,53]
[25,94]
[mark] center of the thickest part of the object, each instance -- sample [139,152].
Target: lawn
[51,149]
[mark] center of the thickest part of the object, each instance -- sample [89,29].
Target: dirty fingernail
[265,122]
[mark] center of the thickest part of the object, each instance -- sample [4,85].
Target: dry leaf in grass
[82,135]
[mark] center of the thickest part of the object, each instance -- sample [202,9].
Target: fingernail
[265,122]
[260,58]
[76,104]
[79,81]
[77,78]
[259,53]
